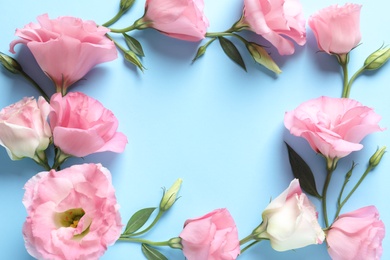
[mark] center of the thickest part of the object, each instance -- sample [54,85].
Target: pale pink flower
[333,127]
[181,19]
[213,236]
[337,28]
[274,20]
[290,221]
[356,235]
[81,125]
[24,130]
[71,214]
[66,48]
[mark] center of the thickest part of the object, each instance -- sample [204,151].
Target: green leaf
[138,220]
[231,51]
[134,45]
[302,172]
[151,253]
[130,56]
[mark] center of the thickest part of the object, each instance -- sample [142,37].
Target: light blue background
[210,123]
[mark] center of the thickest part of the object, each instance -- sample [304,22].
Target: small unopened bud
[131,57]
[125,5]
[170,196]
[10,64]
[175,243]
[377,59]
[260,55]
[200,52]
[377,156]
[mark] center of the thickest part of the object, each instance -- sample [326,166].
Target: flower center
[70,218]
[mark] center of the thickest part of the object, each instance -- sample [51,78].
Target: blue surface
[210,123]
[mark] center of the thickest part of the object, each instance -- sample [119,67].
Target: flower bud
[377,156]
[260,55]
[131,57]
[175,243]
[170,196]
[377,59]
[126,4]
[10,64]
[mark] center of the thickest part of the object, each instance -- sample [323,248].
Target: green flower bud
[200,52]
[175,243]
[10,64]
[377,156]
[126,4]
[131,57]
[260,55]
[170,196]
[377,59]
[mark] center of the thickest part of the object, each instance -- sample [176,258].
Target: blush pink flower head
[274,20]
[81,125]
[213,236]
[356,235]
[290,221]
[181,19]
[71,214]
[333,127]
[24,130]
[66,48]
[337,28]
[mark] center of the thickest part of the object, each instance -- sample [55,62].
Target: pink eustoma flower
[337,28]
[290,221]
[213,236]
[356,235]
[81,125]
[66,48]
[71,214]
[333,127]
[181,19]
[24,130]
[274,20]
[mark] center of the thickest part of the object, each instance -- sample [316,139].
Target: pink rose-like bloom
[81,125]
[356,235]
[213,236]
[333,127]
[72,213]
[66,48]
[275,19]
[24,130]
[337,28]
[181,19]
[290,221]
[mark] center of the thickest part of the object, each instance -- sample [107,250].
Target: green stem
[137,25]
[345,81]
[369,168]
[246,239]
[218,34]
[331,166]
[248,246]
[143,241]
[221,34]
[346,180]
[123,49]
[43,94]
[113,19]
[357,73]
